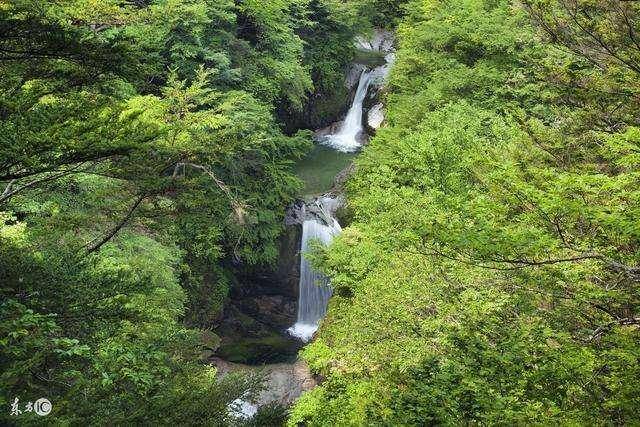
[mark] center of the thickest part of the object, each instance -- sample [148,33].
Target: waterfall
[314,287]
[347,138]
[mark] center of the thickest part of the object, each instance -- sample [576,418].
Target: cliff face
[261,306]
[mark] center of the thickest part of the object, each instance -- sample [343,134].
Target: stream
[335,149]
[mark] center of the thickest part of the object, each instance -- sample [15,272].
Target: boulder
[284,382]
[375,117]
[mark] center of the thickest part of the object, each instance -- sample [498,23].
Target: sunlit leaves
[485,276]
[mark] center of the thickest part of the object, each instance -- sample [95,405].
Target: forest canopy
[488,270]
[490,273]
[143,164]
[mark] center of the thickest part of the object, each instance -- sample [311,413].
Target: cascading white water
[314,287]
[346,140]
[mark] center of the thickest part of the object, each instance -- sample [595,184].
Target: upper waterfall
[347,139]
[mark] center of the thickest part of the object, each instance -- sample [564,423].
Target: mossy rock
[210,340]
[255,351]
[369,58]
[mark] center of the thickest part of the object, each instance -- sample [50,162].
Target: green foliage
[114,349]
[489,275]
[272,415]
[142,166]
[328,33]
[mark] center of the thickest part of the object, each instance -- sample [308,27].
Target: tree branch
[93,247]
[239,209]
[9,192]
[600,331]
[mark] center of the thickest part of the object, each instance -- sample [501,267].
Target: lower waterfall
[314,287]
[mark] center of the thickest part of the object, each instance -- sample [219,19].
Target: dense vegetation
[490,271]
[142,166]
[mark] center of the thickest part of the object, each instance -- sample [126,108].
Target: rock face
[275,311]
[381,41]
[287,271]
[263,305]
[375,117]
[312,209]
[284,382]
[353,76]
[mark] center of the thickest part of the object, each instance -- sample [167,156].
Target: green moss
[252,351]
[369,58]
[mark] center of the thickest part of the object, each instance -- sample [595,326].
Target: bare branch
[239,208]
[600,331]
[9,192]
[631,272]
[7,189]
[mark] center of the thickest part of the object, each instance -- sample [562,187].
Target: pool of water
[320,167]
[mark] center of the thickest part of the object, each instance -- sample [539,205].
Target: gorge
[315,217]
[223,213]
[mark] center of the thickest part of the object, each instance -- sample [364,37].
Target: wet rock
[332,129]
[380,74]
[288,271]
[320,135]
[353,76]
[381,41]
[284,382]
[294,214]
[363,43]
[323,208]
[387,41]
